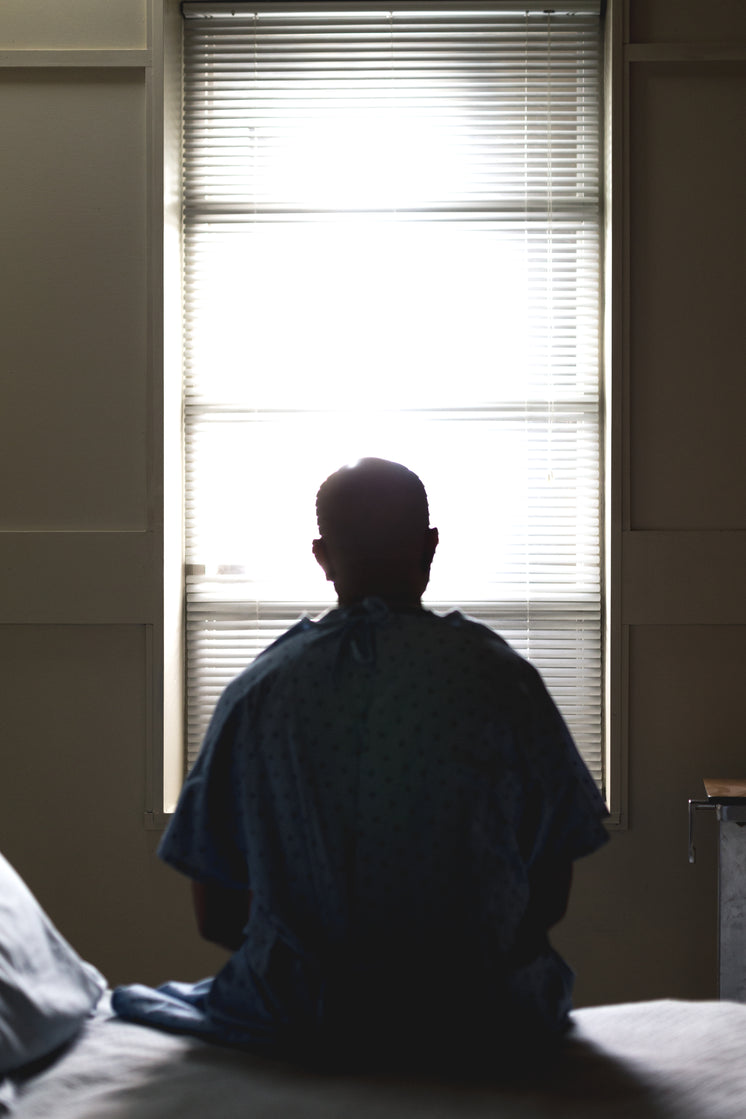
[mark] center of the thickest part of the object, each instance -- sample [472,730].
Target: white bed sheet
[654,1060]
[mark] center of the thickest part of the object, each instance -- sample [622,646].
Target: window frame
[165,772]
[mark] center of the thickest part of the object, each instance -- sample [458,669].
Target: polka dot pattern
[385,783]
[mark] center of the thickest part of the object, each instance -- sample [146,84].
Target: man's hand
[221,913]
[550,892]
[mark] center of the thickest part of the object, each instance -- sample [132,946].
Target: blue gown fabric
[390,786]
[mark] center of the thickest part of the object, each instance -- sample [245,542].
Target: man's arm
[221,913]
[549,883]
[550,892]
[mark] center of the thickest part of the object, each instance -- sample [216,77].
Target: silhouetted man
[382,820]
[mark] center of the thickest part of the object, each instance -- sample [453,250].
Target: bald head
[373,518]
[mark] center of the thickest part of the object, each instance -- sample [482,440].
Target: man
[382,820]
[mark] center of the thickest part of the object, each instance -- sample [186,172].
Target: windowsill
[156,821]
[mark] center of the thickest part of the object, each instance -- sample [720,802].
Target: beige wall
[81,515]
[81,519]
[643,922]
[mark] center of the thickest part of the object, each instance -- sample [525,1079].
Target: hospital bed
[64,1055]
[650,1060]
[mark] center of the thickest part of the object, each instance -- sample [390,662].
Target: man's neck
[393,601]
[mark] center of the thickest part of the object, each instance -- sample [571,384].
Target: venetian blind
[391,247]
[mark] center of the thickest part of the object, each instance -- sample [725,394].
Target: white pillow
[46,990]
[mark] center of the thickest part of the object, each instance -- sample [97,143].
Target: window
[391,224]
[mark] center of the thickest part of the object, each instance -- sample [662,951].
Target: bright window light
[391,247]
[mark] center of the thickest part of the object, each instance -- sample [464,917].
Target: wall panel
[687,21]
[73,24]
[642,922]
[74,729]
[687,708]
[73,427]
[687,294]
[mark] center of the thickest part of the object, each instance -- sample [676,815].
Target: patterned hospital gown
[385,783]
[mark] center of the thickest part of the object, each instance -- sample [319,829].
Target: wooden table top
[725,786]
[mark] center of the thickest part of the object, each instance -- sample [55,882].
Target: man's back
[392,782]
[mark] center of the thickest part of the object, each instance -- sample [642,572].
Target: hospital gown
[385,783]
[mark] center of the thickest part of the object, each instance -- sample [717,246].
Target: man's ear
[322,558]
[428,548]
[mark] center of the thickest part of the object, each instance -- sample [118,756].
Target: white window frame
[166,767]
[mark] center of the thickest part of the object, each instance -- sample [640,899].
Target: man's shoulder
[459,622]
[462,629]
[306,646]
[488,654]
[285,648]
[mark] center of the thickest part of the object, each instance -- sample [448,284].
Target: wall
[643,921]
[82,517]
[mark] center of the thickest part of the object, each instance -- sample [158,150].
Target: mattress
[650,1060]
